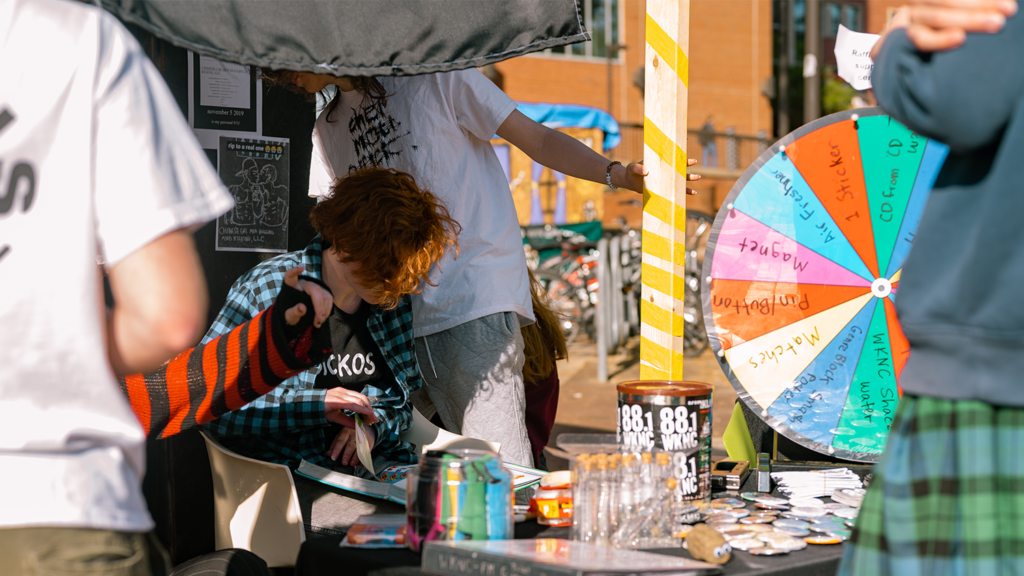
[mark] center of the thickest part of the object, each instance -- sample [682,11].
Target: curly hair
[381,219]
[372,90]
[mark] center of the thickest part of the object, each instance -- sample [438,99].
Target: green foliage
[836,94]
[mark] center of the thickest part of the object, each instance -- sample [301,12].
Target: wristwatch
[608,175]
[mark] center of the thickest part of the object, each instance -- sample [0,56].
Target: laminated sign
[256,173]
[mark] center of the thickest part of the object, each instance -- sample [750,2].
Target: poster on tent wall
[224,99]
[255,171]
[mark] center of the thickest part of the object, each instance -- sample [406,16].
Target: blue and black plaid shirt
[288,424]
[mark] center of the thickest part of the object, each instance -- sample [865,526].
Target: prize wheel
[800,274]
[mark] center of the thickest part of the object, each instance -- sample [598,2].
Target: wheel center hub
[881,288]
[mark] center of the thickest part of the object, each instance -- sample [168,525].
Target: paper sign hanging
[224,99]
[853,60]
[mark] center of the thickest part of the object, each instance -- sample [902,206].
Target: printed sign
[224,99]
[224,84]
[223,96]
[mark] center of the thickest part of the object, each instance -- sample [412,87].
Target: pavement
[587,405]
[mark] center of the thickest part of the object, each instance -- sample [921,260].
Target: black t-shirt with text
[356,360]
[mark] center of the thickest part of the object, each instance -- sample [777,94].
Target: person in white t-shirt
[438,128]
[97,165]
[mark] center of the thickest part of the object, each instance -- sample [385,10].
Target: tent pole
[664,219]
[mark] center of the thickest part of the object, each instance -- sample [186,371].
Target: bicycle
[695,336]
[698,229]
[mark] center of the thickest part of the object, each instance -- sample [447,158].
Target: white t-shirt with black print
[438,128]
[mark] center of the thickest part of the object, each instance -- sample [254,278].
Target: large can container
[675,417]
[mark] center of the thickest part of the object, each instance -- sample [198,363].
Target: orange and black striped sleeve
[224,374]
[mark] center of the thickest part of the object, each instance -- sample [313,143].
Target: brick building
[878,14]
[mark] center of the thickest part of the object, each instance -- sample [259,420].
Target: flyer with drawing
[256,172]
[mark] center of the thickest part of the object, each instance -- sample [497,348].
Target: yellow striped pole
[664,223]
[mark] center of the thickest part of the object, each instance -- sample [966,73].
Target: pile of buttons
[778,525]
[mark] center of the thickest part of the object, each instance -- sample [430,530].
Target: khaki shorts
[45,551]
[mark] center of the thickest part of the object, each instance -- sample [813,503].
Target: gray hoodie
[961,295]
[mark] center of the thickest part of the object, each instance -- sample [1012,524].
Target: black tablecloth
[323,557]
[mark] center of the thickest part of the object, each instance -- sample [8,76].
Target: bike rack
[612,321]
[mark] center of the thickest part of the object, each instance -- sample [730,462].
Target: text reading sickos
[360,364]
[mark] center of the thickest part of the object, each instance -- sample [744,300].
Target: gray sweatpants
[473,378]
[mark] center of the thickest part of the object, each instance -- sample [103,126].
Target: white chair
[256,507]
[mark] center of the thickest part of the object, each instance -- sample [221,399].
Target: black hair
[369,86]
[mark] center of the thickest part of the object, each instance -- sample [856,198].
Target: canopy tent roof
[359,37]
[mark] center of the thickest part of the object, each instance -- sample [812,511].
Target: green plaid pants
[948,494]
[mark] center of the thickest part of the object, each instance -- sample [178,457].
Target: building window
[835,13]
[601,17]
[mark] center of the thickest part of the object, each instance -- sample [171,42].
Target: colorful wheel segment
[801,272]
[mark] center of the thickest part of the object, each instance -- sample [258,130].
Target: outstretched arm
[159,303]
[568,155]
[235,368]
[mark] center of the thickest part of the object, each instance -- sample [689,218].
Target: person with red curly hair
[438,127]
[378,236]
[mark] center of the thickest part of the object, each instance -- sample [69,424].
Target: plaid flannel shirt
[288,424]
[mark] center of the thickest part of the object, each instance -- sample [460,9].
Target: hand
[943,24]
[323,301]
[632,176]
[691,177]
[344,445]
[935,25]
[339,399]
